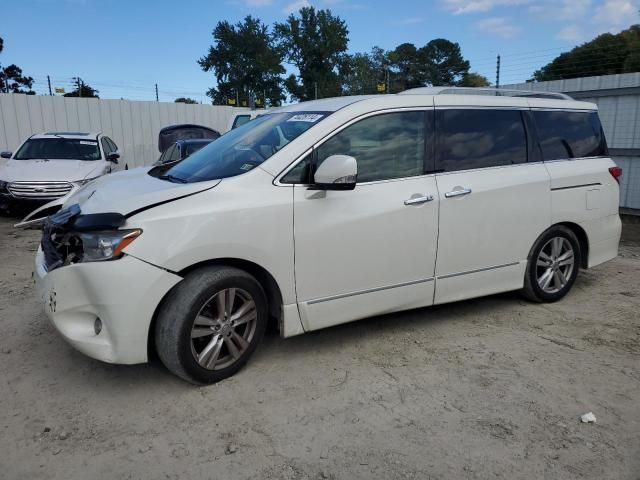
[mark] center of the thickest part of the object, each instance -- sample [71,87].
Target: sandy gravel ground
[488,388]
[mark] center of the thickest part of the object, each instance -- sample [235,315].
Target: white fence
[134,126]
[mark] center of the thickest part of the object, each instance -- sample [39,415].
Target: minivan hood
[50,170]
[131,191]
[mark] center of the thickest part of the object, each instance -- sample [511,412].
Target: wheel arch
[262,275]
[583,240]
[580,234]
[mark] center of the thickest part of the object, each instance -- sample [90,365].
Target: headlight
[80,183]
[100,246]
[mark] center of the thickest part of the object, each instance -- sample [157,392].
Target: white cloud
[258,3]
[613,15]
[571,33]
[499,26]
[295,6]
[459,7]
[556,10]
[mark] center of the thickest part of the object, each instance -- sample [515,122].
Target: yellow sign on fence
[381,87]
[59,89]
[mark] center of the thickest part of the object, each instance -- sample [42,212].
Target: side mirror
[113,157]
[337,172]
[6,154]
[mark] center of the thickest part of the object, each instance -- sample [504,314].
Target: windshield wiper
[172,178]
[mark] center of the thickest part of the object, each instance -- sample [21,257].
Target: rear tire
[552,266]
[210,324]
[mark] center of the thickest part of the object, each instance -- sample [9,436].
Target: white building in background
[618,100]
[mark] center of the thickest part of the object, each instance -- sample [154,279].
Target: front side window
[569,134]
[243,148]
[240,120]
[391,145]
[469,139]
[59,149]
[106,147]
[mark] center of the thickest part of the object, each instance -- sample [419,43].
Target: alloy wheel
[555,264]
[223,329]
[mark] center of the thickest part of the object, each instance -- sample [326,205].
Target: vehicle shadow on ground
[154,375]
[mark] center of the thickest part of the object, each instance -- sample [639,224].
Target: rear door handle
[419,200]
[458,193]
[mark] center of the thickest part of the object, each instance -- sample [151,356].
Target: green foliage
[245,62]
[185,100]
[362,73]
[85,91]
[604,55]
[315,41]
[445,63]
[12,80]
[474,80]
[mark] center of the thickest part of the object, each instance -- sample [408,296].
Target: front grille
[40,190]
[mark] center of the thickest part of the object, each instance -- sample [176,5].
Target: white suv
[50,166]
[330,211]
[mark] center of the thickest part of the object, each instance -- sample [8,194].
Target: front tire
[553,265]
[210,324]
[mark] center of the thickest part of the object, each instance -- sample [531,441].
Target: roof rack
[497,92]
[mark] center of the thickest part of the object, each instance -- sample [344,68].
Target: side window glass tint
[105,146]
[114,147]
[469,139]
[241,120]
[300,173]
[175,154]
[569,134]
[385,146]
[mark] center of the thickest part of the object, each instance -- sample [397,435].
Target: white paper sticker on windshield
[85,142]
[306,117]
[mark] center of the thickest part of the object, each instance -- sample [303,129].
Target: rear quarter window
[569,134]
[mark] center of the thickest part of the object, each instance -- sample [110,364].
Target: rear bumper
[123,293]
[604,247]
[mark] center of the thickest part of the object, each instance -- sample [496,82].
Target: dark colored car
[173,133]
[181,149]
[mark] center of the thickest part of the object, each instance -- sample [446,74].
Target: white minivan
[330,211]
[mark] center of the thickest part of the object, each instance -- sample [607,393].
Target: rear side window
[468,139]
[569,134]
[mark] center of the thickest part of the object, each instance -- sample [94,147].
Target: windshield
[59,149]
[243,148]
[190,148]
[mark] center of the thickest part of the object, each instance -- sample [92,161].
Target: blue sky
[123,48]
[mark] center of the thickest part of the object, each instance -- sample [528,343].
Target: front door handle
[457,193]
[419,200]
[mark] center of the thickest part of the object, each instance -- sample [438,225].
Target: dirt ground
[488,388]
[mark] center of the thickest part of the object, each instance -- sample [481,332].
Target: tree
[82,90]
[185,100]
[12,80]
[245,62]
[604,55]
[445,63]
[474,80]
[315,42]
[363,72]
[409,67]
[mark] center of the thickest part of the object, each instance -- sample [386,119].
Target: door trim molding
[451,275]
[369,290]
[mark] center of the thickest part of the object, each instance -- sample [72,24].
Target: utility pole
[237,98]
[315,87]
[49,83]
[388,83]
[498,72]
[157,93]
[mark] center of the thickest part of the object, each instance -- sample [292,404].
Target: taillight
[616,173]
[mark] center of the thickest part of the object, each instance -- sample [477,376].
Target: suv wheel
[553,265]
[210,324]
